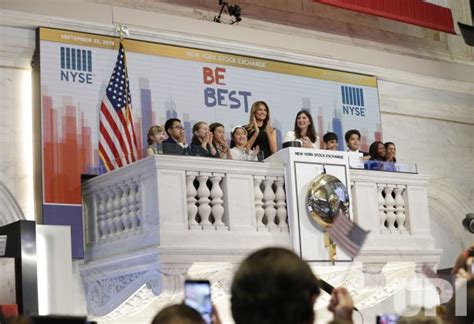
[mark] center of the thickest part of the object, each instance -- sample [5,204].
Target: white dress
[242,155]
[290,136]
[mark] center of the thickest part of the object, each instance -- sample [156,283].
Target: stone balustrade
[148,225]
[185,203]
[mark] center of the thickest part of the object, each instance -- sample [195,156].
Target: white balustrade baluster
[109,206]
[137,210]
[259,212]
[191,200]
[203,201]
[131,206]
[400,208]
[136,203]
[124,207]
[382,214]
[390,207]
[269,203]
[102,229]
[117,209]
[217,202]
[353,197]
[280,198]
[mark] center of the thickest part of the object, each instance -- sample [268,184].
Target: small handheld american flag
[117,141]
[347,235]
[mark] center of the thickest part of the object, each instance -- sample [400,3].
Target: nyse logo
[353,101]
[76,65]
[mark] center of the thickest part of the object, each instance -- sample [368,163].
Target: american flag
[347,235]
[117,142]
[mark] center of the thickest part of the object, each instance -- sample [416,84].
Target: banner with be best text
[190,84]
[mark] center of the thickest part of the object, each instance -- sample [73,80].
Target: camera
[233,10]
[468,222]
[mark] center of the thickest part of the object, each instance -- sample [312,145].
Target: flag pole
[123,31]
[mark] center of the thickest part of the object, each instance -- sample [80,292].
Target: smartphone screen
[388,319]
[197,294]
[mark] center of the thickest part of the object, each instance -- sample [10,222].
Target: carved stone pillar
[191,200]
[259,212]
[217,202]
[280,198]
[203,201]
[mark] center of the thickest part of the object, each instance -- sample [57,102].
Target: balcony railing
[148,223]
[162,200]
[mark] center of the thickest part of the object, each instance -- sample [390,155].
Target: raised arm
[271,135]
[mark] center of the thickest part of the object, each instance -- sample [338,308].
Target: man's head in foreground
[275,286]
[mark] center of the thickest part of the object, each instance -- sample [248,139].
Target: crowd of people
[275,286]
[257,139]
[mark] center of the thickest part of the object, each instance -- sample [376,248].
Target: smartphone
[388,319]
[197,294]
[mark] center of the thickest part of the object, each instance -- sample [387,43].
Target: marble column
[17,134]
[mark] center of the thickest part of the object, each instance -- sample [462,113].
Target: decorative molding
[123,285]
[220,42]
[11,211]
[17,47]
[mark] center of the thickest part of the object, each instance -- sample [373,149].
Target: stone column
[18,135]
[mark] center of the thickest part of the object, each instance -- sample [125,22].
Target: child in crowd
[240,151]
[176,141]
[156,136]
[356,156]
[391,152]
[352,138]
[202,142]
[219,141]
[377,151]
[330,141]
[377,156]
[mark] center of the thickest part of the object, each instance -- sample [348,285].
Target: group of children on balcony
[256,140]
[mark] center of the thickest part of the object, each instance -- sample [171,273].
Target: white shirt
[290,136]
[355,159]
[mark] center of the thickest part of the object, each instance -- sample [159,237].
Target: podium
[301,166]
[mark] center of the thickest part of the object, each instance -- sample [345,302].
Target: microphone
[327,287]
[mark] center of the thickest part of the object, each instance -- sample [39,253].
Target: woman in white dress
[303,131]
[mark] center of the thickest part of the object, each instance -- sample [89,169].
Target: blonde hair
[196,128]
[152,131]
[198,125]
[254,108]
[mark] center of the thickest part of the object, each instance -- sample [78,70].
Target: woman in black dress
[260,130]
